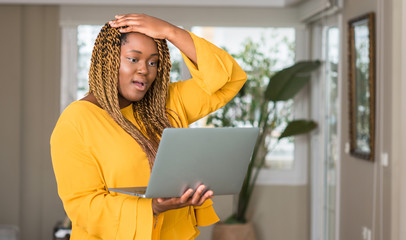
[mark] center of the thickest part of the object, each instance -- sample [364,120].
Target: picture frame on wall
[361,53]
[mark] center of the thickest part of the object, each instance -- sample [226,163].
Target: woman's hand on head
[148,25]
[189,198]
[157,28]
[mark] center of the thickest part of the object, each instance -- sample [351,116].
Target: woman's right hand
[160,205]
[157,28]
[142,23]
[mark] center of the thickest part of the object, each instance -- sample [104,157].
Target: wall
[10,96]
[186,16]
[280,212]
[30,73]
[365,186]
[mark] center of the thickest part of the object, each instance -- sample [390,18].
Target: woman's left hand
[189,198]
[148,25]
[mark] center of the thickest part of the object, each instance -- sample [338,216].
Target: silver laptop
[188,157]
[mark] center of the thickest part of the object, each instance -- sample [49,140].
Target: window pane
[87,35]
[176,60]
[260,52]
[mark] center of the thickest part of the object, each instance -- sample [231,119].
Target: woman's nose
[142,68]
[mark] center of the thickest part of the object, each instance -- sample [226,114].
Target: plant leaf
[297,127]
[292,87]
[286,83]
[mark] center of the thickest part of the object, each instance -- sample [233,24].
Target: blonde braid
[153,101]
[164,54]
[149,112]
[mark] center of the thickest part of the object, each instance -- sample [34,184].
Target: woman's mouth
[139,85]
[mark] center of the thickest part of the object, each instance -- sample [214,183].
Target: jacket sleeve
[82,188]
[216,79]
[205,214]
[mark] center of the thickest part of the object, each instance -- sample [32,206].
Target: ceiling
[222,3]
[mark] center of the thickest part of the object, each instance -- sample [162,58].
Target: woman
[109,138]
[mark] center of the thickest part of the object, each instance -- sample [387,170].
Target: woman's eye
[133,60]
[153,64]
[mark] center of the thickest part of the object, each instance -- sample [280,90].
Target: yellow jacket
[90,153]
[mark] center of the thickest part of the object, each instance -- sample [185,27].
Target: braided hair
[150,112]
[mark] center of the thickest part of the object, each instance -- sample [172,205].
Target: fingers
[128,21]
[207,195]
[185,197]
[126,15]
[155,206]
[160,205]
[199,198]
[196,197]
[148,25]
[204,197]
[127,24]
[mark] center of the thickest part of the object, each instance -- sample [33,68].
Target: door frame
[318,34]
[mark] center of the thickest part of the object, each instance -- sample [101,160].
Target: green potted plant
[265,102]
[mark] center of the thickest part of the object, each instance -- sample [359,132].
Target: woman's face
[138,67]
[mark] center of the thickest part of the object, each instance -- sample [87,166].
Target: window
[261,52]
[87,35]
